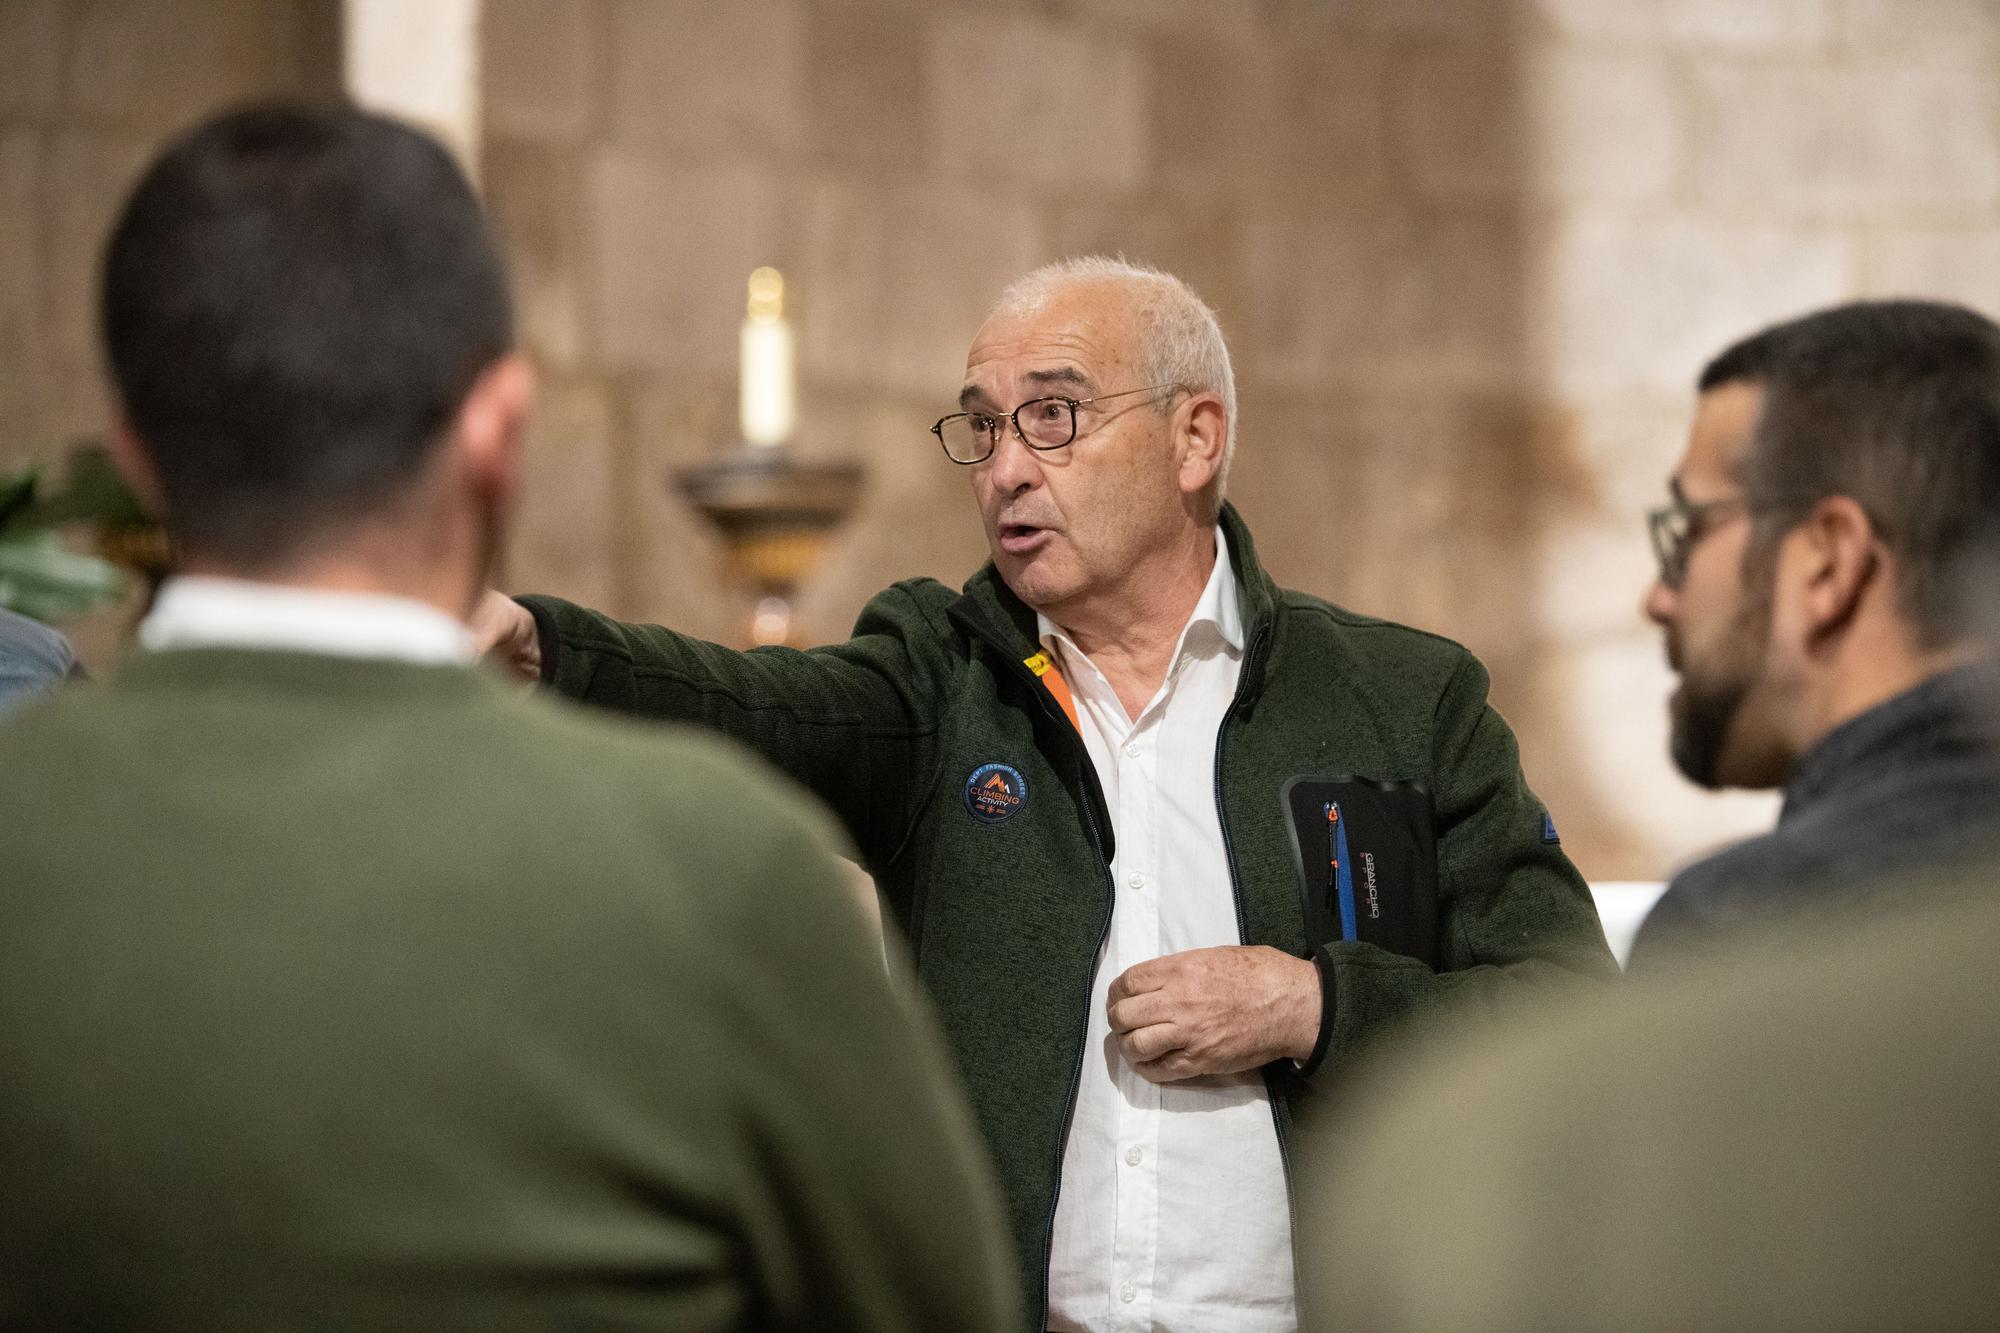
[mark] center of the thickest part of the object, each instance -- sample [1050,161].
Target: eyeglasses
[1041,423]
[1676,527]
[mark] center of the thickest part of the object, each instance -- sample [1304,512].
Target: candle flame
[767,294]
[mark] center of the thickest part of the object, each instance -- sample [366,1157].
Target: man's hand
[504,631]
[1215,1011]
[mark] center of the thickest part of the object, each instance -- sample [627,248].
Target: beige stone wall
[88,90]
[1700,168]
[1469,253]
[900,161]
[1348,183]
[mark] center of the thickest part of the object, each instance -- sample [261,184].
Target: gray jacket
[1911,785]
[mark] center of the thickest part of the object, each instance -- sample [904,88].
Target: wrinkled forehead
[1077,342]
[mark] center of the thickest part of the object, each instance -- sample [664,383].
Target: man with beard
[1838,468]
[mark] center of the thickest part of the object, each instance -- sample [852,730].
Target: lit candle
[766,386]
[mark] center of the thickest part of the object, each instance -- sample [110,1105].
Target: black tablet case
[1391,833]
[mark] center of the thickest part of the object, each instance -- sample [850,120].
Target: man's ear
[1840,562]
[1204,442]
[491,422]
[135,464]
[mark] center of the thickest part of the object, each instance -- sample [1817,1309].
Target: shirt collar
[1220,606]
[204,612]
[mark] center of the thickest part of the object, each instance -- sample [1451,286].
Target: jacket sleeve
[856,723]
[1514,914]
[865,1197]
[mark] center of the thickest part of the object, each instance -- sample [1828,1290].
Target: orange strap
[1052,680]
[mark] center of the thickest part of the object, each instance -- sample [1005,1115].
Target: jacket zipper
[1089,772]
[1252,664]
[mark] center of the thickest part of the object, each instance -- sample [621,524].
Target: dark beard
[1711,693]
[1701,720]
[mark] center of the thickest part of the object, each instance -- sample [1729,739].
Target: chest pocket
[1365,850]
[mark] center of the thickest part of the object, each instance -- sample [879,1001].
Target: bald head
[1177,339]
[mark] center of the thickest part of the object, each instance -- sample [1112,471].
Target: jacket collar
[990,609]
[1945,719]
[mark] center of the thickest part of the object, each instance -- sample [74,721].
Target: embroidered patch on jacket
[1549,829]
[995,792]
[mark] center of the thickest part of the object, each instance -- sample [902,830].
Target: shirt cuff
[550,639]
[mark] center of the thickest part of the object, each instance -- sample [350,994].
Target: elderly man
[1787,1121]
[1147,818]
[1839,468]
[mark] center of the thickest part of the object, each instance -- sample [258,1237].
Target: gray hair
[1180,341]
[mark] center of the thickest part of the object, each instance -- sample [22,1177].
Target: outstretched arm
[856,723]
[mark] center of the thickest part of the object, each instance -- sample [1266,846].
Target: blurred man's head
[1839,467]
[309,332]
[1134,361]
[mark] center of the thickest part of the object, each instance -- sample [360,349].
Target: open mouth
[1021,538]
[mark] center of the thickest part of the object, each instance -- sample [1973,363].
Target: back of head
[1895,404]
[1180,339]
[296,301]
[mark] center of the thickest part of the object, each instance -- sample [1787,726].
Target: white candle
[765,388]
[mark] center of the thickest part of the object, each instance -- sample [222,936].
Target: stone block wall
[1748,160]
[88,91]
[1469,253]
[900,161]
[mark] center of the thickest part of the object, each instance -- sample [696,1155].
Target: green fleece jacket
[1006,917]
[343,994]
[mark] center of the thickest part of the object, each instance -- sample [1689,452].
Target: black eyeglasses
[1676,527]
[1042,423]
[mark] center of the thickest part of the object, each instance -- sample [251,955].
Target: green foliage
[39,575]
[42,580]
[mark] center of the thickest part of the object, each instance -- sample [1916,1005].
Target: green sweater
[1006,917]
[347,994]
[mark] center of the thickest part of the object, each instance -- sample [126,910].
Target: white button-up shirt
[1173,1212]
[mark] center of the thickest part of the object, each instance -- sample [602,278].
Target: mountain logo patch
[995,792]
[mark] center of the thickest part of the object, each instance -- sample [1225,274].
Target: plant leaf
[93,492]
[41,579]
[17,495]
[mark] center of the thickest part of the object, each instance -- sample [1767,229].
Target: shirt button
[1133,1156]
[1132,749]
[1128,1293]
[1137,879]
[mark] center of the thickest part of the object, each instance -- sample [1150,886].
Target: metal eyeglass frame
[1676,528]
[992,432]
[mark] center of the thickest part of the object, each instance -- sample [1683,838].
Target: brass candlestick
[776,513]
[777,516]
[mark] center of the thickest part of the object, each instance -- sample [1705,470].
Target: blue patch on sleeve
[995,792]
[1549,830]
